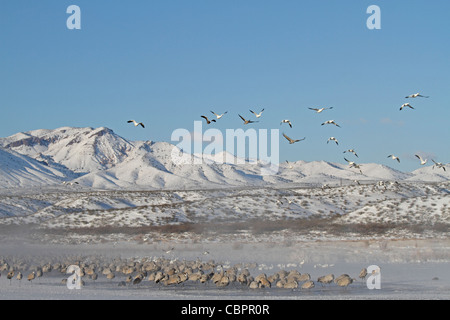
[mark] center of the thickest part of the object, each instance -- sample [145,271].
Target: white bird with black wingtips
[286,121]
[353,164]
[331,122]
[438,165]
[218,116]
[289,165]
[422,161]
[258,115]
[136,123]
[406,105]
[352,151]
[416,95]
[319,110]
[394,157]
[333,139]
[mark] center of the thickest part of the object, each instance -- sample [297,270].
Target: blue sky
[168,62]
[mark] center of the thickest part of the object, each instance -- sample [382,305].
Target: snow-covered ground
[402,228]
[397,208]
[84,194]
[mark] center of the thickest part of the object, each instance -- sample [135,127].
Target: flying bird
[353,164]
[352,151]
[331,122]
[319,110]
[257,114]
[291,141]
[290,166]
[415,95]
[136,123]
[422,162]
[394,157]
[406,105]
[438,165]
[207,120]
[246,121]
[333,139]
[286,121]
[219,115]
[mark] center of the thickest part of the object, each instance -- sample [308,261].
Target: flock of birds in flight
[352,164]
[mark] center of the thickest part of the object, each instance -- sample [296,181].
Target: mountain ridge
[99,158]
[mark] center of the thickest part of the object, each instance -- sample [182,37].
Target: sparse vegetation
[414,208]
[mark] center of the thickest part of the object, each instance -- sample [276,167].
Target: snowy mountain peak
[78,149]
[97,157]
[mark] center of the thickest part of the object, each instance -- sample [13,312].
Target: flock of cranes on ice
[169,272]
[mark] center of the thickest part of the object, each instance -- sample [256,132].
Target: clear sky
[168,62]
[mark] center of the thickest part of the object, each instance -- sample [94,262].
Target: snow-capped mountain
[78,149]
[99,158]
[17,170]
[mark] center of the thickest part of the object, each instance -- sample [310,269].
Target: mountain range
[99,158]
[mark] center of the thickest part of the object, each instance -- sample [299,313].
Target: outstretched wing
[289,139]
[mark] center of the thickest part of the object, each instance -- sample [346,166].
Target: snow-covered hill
[99,158]
[81,150]
[431,173]
[18,170]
